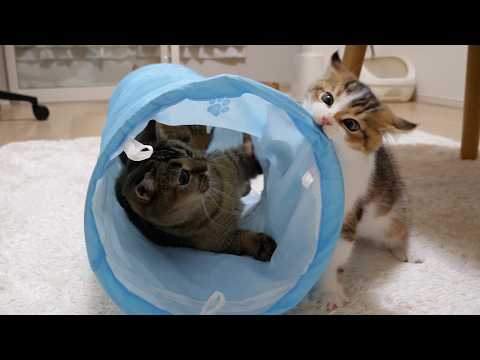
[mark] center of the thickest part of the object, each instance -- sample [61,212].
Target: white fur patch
[320,109]
[374,227]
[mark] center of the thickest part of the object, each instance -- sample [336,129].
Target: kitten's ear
[335,60]
[387,121]
[403,125]
[339,67]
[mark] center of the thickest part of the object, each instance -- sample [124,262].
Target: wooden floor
[73,120]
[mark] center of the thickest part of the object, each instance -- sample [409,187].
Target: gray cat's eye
[351,125]
[184,177]
[327,98]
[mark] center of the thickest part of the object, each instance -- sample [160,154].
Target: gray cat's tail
[244,156]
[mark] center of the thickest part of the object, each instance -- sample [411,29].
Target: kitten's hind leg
[400,253]
[387,231]
[396,238]
[399,237]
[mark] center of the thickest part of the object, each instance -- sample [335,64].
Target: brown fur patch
[385,189]
[374,118]
[398,230]
[349,229]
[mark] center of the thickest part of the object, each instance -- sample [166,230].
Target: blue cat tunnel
[299,203]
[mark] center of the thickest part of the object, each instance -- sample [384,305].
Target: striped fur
[202,214]
[376,206]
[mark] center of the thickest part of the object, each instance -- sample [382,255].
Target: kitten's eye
[351,125]
[184,177]
[327,98]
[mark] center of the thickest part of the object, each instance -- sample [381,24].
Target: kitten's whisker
[389,139]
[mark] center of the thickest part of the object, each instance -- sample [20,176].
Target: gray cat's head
[168,187]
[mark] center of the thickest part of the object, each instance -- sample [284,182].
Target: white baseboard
[439,101]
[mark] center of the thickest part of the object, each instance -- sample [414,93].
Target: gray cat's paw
[265,247]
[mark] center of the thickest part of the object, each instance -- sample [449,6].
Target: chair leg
[18,97]
[471,110]
[41,112]
[353,58]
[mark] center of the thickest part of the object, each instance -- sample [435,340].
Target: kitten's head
[349,112]
[167,188]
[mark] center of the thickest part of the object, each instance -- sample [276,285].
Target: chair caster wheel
[41,112]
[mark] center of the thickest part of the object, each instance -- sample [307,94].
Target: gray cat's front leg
[257,245]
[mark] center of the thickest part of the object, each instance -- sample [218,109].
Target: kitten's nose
[325,120]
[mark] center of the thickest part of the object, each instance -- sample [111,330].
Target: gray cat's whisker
[209,218]
[212,188]
[209,197]
[188,204]
[173,208]
[216,164]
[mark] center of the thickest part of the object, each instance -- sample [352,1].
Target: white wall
[440,69]
[262,63]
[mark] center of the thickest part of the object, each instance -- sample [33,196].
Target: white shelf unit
[169,53]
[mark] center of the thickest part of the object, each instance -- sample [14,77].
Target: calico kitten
[182,198]
[376,205]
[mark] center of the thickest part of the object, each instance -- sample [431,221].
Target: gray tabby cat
[182,198]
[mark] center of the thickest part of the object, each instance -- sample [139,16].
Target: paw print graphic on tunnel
[218,106]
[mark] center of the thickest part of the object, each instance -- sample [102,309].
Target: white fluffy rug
[44,269]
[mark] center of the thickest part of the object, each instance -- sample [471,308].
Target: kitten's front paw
[265,247]
[333,300]
[400,254]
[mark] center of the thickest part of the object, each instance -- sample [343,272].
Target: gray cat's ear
[403,125]
[160,133]
[148,136]
[248,144]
